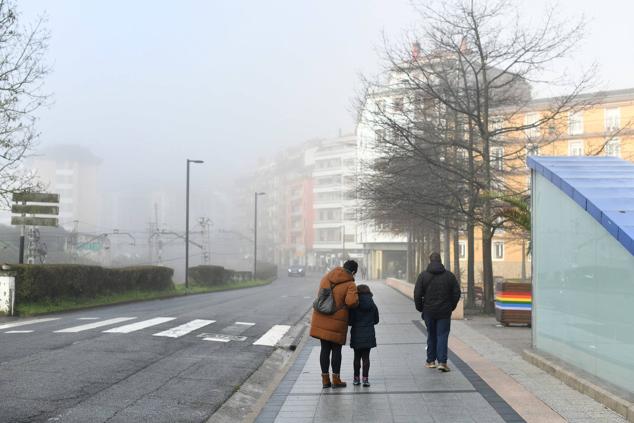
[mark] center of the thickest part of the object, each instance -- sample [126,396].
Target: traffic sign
[35,197]
[34,209]
[34,221]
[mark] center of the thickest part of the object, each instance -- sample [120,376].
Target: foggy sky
[145,84]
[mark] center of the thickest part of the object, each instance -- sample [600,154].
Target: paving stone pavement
[572,405]
[402,390]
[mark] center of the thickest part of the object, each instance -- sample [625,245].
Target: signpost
[43,213]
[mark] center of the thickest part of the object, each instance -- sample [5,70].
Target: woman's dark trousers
[327,349]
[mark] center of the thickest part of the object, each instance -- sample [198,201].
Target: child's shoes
[356,381]
[366,382]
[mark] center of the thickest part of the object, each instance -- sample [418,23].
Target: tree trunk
[470,264]
[436,239]
[447,249]
[523,260]
[487,270]
[456,255]
[410,258]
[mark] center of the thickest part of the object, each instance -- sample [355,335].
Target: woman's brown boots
[325,380]
[337,383]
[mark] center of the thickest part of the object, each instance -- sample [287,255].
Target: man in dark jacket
[436,295]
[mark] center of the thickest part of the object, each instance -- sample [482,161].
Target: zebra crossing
[131,324]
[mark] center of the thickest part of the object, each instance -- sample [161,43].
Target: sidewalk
[403,390]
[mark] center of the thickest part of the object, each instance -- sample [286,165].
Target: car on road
[296,270]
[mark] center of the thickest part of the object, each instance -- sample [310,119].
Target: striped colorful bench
[513,303]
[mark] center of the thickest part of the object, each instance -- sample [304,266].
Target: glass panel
[583,293]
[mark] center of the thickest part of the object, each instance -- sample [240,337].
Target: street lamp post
[255,234]
[187,223]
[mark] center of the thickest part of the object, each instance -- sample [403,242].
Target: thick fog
[144,85]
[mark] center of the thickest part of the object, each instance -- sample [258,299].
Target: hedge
[266,271]
[210,275]
[45,282]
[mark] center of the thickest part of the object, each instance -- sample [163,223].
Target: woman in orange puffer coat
[332,330]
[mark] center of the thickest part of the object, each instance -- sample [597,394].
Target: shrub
[209,275]
[266,271]
[45,282]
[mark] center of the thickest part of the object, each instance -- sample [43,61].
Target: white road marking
[132,327]
[19,331]
[88,318]
[188,327]
[88,326]
[216,339]
[307,298]
[27,322]
[220,337]
[273,335]
[245,323]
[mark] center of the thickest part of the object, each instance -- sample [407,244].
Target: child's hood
[365,302]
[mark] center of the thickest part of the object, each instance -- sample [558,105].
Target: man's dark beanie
[435,257]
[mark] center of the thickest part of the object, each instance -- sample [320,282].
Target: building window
[612,119]
[613,148]
[328,215]
[328,235]
[575,148]
[575,123]
[497,158]
[351,163]
[498,250]
[531,119]
[350,181]
[462,249]
[349,238]
[496,123]
[397,104]
[328,180]
[462,154]
[349,215]
[328,196]
[328,163]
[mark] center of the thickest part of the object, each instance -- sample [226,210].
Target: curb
[597,393]
[248,401]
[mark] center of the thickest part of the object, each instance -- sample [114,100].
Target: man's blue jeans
[437,338]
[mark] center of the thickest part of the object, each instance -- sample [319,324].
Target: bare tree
[22,71]
[459,105]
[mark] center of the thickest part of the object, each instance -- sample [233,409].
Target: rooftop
[603,186]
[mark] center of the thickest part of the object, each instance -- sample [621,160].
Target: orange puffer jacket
[334,327]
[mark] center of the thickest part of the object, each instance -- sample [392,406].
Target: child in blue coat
[362,336]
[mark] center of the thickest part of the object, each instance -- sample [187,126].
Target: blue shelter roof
[603,186]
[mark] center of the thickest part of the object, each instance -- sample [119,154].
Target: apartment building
[334,169]
[72,172]
[603,126]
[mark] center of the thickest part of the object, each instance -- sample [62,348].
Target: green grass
[68,304]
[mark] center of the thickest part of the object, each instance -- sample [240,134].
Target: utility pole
[187,223]
[255,235]
[22,233]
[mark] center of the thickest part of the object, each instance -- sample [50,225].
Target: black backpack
[325,301]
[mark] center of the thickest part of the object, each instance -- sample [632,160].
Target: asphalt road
[84,374]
